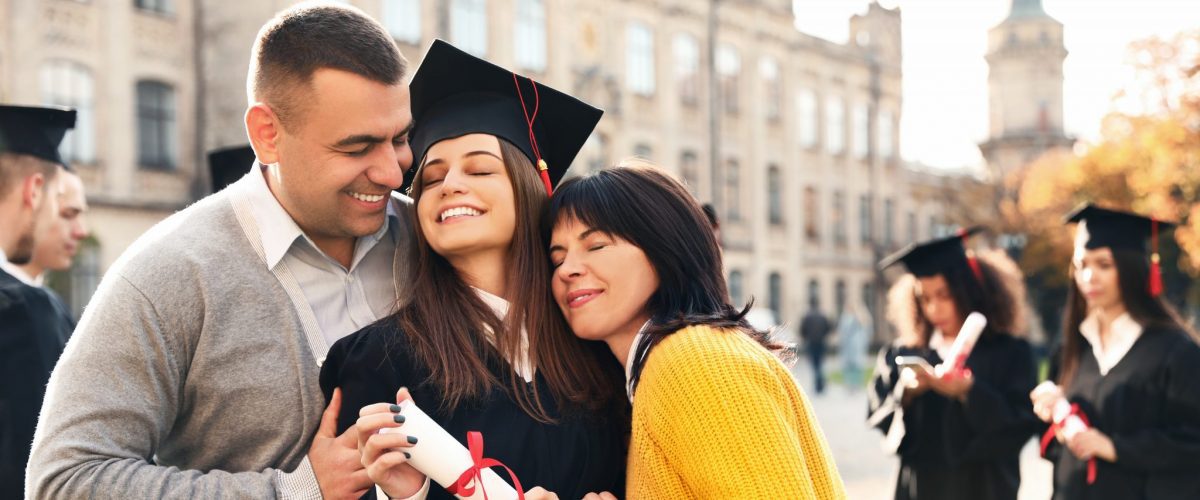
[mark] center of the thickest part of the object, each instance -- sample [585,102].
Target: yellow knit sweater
[716,416]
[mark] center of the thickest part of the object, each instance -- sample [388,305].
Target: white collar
[19,273]
[279,231]
[1123,332]
[629,359]
[500,307]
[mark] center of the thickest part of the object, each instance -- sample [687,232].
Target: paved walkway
[868,472]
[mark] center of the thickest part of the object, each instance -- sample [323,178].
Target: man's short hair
[14,168]
[302,39]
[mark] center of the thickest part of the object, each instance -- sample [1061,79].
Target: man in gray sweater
[193,372]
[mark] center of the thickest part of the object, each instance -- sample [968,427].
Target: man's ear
[264,129]
[33,191]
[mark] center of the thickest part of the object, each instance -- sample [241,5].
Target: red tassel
[1156,284]
[971,260]
[543,171]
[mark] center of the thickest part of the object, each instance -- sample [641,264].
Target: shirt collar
[19,273]
[279,231]
[630,359]
[500,306]
[1123,332]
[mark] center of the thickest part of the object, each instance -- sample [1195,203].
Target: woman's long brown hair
[1133,272]
[445,320]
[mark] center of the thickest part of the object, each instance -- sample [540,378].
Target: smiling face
[465,203]
[601,283]
[937,304]
[1095,273]
[338,162]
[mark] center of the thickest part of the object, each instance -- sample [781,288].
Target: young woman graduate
[715,414]
[958,436]
[1127,366]
[481,347]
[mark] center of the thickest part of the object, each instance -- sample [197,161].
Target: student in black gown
[481,345]
[1129,365]
[958,436]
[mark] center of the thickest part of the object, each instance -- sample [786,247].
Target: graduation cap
[937,256]
[35,131]
[455,93]
[1102,227]
[227,165]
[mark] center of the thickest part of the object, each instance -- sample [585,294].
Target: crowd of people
[393,241]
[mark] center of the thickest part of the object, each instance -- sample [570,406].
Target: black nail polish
[399,419]
[406,455]
[412,440]
[395,408]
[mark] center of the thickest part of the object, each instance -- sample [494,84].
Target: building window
[733,190]
[862,131]
[839,218]
[933,228]
[595,152]
[156,6]
[806,109]
[687,68]
[889,222]
[84,275]
[868,299]
[774,196]
[736,287]
[886,135]
[912,227]
[775,294]
[639,59]
[643,151]
[468,26]
[66,83]
[531,35]
[864,219]
[769,69]
[403,20]
[689,170]
[814,294]
[729,65]
[156,125]
[835,126]
[812,228]
[839,297]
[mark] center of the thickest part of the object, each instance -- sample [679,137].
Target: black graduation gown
[1149,405]
[952,450]
[581,453]
[34,327]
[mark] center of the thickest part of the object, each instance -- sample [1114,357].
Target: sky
[945,74]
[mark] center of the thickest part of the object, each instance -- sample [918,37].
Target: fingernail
[412,440]
[395,408]
[406,455]
[399,419]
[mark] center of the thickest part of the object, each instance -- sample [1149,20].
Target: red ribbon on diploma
[1054,427]
[472,477]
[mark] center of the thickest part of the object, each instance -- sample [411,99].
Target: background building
[794,138]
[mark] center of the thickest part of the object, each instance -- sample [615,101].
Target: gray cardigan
[189,375]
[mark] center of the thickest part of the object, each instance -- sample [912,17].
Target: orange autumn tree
[1148,162]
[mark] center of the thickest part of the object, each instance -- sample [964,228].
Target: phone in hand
[913,362]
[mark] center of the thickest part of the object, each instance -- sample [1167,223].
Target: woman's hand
[604,495]
[381,447]
[540,493]
[1092,443]
[1044,397]
[953,385]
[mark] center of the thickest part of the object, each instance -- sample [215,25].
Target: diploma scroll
[441,457]
[956,360]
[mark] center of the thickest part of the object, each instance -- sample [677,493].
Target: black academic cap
[455,93]
[227,165]
[35,131]
[935,256]
[1115,229]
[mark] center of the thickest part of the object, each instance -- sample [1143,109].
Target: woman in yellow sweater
[715,413]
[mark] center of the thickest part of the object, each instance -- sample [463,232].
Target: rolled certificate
[441,457]
[972,328]
[1070,422]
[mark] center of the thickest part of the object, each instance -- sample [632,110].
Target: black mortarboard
[1118,230]
[455,93]
[35,131]
[1114,228]
[227,165]
[936,256]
